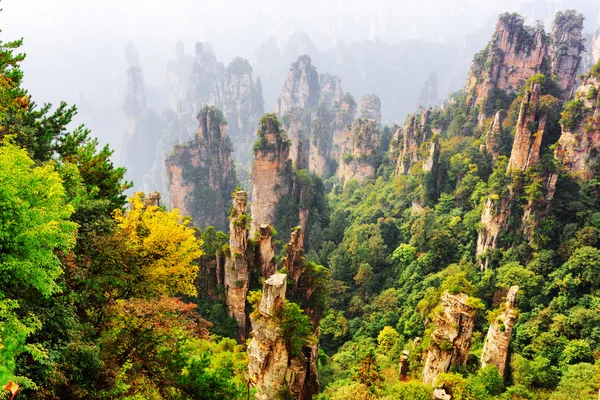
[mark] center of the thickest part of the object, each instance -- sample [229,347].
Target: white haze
[75,47]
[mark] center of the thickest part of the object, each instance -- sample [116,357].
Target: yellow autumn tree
[166,245]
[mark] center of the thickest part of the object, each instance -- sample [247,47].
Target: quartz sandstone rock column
[495,348]
[237,273]
[451,338]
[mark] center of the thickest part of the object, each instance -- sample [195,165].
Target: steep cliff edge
[308,106]
[529,133]
[272,171]
[518,52]
[497,341]
[201,174]
[237,271]
[361,142]
[579,144]
[451,339]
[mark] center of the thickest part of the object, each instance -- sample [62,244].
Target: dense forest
[454,257]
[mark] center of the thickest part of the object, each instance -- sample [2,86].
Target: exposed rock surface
[272,170]
[370,108]
[301,88]
[272,370]
[268,358]
[237,272]
[357,158]
[451,338]
[525,153]
[266,251]
[529,132]
[201,174]
[579,144]
[416,132]
[566,48]
[495,137]
[345,112]
[307,107]
[495,348]
[517,52]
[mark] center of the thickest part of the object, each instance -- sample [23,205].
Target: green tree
[34,227]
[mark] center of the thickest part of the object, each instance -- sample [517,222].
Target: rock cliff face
[451,339]
[201,174]
[345,111]
[307,107]
[495,137]
[237,272]
[272,369]
[301,88]
[268,358]
[266,251]
[517,52]
[566,48]
[416,132]
[272,172]
[529,133]
[357,158]
[429,92]
[579,144]
[370,108]
[495,348]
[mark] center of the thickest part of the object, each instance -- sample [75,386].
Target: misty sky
[75,47]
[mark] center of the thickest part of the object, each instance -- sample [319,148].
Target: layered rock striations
[497,341]
[268,356]
[312,109]
[529,133]
[416,132]
[201,174]
[358,152]
[495,138]
[518,52]
[272,171]
[345,112]
[451,339]
[566,49]
[273,368]
[579,144]
[237,271]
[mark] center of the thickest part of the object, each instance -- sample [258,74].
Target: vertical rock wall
[451,338]
[497,341]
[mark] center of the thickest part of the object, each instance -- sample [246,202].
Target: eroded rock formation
[268,357]
[201,174]
[265,243]
[495,347]
[370,108]
[271,174]
[308,106]
[416,132]
[525,152]
[517,52]
[345,112]
[451,338]
[237,272]
[272,369]
[579,144]
[357,158]
[495,137]
[566,48]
